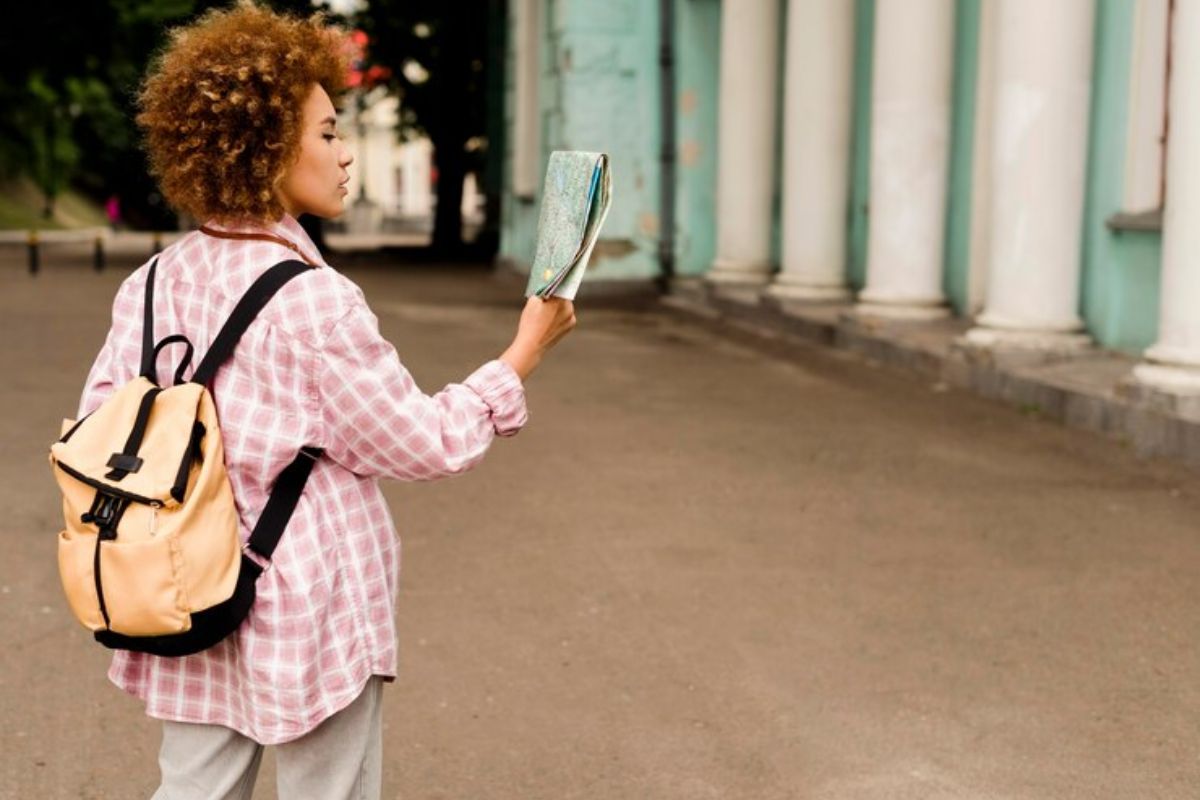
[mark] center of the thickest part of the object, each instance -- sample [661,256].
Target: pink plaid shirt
[312,369]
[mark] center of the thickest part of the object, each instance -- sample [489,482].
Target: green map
[575,201]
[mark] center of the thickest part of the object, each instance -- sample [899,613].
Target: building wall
[599,90]
[957,268]
[1119,297]
[393,176]
[860,158]
[371,136]
[697,59]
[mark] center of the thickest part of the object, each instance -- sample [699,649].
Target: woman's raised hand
[543,324]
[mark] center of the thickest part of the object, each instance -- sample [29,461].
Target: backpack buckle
[249,552]
[106,513]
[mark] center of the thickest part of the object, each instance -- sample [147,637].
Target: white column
[910,152]
[379,166]
[1173,363]
[526,126]
[417,182]
[818,101]
[1039,146]
[746,140]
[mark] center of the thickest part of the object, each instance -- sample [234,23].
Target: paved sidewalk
[700,572]
[62,249]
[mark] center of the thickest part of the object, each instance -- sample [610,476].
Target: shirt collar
[286,227]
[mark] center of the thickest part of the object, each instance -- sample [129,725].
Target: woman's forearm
[522,357]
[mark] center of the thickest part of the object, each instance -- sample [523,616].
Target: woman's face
[316,182]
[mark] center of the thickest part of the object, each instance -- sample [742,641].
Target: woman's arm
[376,421]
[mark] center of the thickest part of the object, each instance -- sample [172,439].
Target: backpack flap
[136,443]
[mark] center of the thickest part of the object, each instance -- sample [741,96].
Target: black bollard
[98,254]
[33,252]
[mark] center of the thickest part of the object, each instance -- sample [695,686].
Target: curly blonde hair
[221,108]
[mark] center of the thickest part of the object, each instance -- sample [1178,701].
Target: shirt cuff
[501,389]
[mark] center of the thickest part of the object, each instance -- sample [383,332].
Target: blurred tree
[53,153]
[69,74]
[436,53]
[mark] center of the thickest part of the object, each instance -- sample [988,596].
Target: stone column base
[1164,387]
[1168,378]
[915,311]
[729,273]
[809,293]
[1049,342]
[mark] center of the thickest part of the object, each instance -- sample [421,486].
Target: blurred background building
[1030,165]
[1027,166]
[393,181]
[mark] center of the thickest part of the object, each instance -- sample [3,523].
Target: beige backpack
[150,559]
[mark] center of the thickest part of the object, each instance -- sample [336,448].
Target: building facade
[1025,165]
[393,180]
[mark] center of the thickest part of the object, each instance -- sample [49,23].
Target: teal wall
[957,253]
[697,45]
[599,91]
[860,157]
[1120,286]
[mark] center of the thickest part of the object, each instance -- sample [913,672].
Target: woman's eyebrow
[330,121]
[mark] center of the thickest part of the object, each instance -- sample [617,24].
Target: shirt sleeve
[115,364]
[377,422]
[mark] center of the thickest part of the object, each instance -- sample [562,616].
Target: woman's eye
[329,137]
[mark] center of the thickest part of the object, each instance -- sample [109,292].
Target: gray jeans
[340,760]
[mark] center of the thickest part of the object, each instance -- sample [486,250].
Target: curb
[1088,389]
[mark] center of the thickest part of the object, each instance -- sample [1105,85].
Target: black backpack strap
[289,485]
[257,296]
[148,351]
[282,502]
[127,460]
[176,338]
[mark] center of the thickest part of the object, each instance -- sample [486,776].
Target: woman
[240,129]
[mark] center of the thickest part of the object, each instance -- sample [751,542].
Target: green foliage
[53,152]
[69,74]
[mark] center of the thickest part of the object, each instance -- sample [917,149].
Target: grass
[21,209]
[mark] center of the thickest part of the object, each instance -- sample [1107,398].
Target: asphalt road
[699,572]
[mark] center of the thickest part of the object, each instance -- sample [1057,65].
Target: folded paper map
[575,200]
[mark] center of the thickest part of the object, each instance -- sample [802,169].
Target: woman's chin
[335,210]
